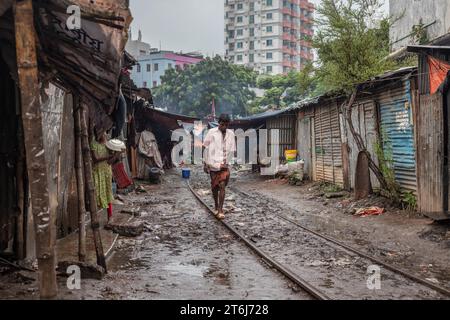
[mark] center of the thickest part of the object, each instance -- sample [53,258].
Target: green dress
[102,173]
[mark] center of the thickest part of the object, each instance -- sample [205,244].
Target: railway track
[312,290]
[308,285]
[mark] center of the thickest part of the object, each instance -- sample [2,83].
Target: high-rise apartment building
[269,35]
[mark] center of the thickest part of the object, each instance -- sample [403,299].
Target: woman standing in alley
[102,172]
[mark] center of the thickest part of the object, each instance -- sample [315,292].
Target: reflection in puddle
[191,270]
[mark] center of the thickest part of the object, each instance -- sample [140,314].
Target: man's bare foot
[220,216]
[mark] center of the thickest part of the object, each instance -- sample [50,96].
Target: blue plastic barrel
[186,173]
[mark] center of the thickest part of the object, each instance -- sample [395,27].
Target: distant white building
[269,35]
[137,48]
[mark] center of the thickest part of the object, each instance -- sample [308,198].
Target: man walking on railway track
[220,147]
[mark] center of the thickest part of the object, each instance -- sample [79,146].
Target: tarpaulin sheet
[438,73]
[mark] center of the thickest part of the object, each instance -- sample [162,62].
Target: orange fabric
[438,72]
[372,211]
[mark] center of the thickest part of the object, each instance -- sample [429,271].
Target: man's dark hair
[224,117]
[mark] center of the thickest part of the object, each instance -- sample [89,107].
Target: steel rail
[313,291]
[362,254]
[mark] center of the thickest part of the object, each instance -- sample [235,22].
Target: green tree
[191,90]
[282,90]
[352,43]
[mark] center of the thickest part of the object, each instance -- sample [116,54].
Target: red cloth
[219,176]
[438,73]
[120,176]
[110,210]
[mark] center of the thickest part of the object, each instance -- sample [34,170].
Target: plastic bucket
[291,155]
[186,173]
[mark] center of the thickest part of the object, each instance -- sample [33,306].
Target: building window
[240,19]
[239,57]
[269,55]
[269,16]
[240,45]
[252,45]
[269,69]
[252,19]
[138,67]
[252,6]
[240,6]
[269,42]
[269,29]
[155,84]
[269,3]
[251,57]
[149,67]
[144,84]
[239,32]
[155,67]
[252,32]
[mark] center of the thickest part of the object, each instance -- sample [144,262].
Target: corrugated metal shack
[382,115]
[59,85]
[432,132]
[284,120]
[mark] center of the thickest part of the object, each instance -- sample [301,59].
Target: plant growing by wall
[409,201]
[419,33]
[384,152]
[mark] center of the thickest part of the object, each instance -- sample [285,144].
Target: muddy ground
[185,253]
[400,237]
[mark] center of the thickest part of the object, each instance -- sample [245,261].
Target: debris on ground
[129,229]
[134,211]
[296,178]
[204,192]
[140,189]
[372,211]
[332,195]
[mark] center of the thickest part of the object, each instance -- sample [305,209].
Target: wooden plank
[67,156]
[430,148]
[43,212]
[89,183]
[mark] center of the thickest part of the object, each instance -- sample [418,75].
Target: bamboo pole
[89,183]
[80,183]
[43,214]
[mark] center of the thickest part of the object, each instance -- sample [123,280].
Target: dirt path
[186,254]
[409,241]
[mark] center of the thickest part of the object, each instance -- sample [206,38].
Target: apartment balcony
[287,24]
[287,63]
[290,51]
[303,4]
[307,31]
[289,37]
[306,55]
[305,43]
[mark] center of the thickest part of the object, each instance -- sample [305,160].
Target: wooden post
[20,243]
[89,183]
[34,145]
[80,183]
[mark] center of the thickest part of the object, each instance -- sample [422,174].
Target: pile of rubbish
[293,171]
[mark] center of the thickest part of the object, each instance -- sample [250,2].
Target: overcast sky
[182,25]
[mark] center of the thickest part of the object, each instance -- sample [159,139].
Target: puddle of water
[191,270]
